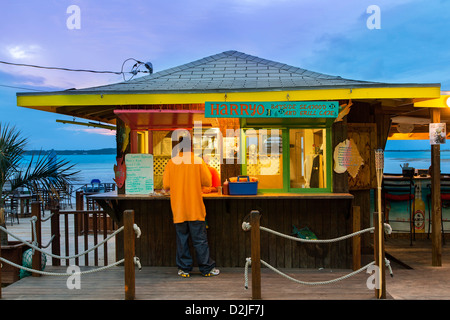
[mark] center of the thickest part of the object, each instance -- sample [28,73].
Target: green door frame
[286,156]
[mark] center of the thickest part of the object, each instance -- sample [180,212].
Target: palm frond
[45,173]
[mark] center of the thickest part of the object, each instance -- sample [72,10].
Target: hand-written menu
[139,178]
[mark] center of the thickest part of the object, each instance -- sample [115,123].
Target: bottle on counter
[225,189]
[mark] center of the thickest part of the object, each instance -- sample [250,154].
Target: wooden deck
[420,282]
[163,283]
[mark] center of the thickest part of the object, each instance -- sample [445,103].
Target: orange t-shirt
[215,177]
[184,176]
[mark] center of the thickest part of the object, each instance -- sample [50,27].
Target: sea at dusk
[418,159]
[100,166]
[91,166]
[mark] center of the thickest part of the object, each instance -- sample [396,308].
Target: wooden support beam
[255,254]
[378,237]
[356,241]
[36,259]
[436,234]
[129,253]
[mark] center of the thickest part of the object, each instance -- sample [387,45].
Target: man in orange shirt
[185,175]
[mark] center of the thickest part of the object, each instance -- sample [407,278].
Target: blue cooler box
[243,188]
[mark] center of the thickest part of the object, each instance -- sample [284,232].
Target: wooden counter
[327,215]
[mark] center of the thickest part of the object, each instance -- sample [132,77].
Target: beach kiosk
[305,138]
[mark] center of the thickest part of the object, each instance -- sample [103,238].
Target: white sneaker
[183,274]
[213,272]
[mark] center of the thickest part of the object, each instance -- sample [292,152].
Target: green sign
[289,109]
[139,179]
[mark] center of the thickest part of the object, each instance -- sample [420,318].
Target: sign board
[437,133]
[139,178]
[283,109]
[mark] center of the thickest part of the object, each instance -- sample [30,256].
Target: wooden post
[255,254]
[436,236]
[79,206]
[356,245]
[36,260]
[1,266]
[379,255]
[128,248]
[56,242]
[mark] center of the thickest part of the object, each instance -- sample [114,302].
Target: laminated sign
[139,177]
[437,133]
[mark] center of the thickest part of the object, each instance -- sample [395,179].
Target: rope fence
[256,283]
[130,240]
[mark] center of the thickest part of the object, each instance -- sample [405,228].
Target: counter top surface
[113,195]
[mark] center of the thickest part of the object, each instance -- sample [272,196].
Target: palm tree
[43,173]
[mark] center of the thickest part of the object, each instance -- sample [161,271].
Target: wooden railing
[89,227]
[87,223]
[129,243]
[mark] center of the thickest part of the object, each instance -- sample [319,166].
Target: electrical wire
[6,86]
[57,68]
[134,70]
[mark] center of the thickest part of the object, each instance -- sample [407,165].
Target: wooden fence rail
[87,225]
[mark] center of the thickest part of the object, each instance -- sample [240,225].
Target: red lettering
[223,110]
[215,109]
[260,107]
[244,109]
[233,108]
[253,109]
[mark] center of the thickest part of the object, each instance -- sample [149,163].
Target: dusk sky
[406,43]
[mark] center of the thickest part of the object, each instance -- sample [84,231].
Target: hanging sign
[437,133]
[283,109]
[139,173]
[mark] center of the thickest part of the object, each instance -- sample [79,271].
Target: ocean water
[418,159]
[90,166]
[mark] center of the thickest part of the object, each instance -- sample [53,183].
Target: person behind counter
[214,175]
[185,180]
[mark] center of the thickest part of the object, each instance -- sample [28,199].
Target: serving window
[288,159]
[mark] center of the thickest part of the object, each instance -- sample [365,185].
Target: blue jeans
[197,231]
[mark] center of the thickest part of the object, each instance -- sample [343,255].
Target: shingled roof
[231,71]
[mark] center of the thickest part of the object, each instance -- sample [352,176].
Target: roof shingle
[230,70]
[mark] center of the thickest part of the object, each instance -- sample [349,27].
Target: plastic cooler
[243,187]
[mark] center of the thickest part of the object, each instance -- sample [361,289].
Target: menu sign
[283,109]
[139,178]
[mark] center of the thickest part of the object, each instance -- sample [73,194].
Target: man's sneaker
[183,274]
[213,272]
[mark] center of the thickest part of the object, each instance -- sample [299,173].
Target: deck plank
[162,283]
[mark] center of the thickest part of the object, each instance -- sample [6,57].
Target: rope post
[356,241]
[36,259]
[56,242]
[129,252]
[1,267]
[380,290]
[255,217]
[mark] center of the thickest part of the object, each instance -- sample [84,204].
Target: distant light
[448,102]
